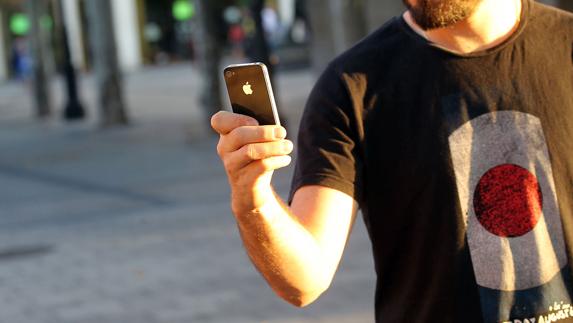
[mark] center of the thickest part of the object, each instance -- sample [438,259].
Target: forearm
[285,252]
[297,255]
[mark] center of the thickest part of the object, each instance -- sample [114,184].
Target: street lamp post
[73,109]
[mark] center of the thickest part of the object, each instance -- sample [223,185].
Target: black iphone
[250,92]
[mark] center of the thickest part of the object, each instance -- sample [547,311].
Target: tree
[338,24]
[106,66]
[40,50]
[260,50]
[335,25]
[210,47]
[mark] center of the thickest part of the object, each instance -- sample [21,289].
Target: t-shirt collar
[420,38]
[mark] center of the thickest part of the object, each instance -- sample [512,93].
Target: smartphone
[250,92]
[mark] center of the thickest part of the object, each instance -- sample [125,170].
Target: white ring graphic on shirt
[508,197]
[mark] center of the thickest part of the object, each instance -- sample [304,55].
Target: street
[133,224]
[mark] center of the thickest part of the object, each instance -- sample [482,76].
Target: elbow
[301,299]
[302,288]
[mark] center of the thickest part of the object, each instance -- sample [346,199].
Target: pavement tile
[133,225]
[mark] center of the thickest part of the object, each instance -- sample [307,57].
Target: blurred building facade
[146,31]
[158,31]
[14,33]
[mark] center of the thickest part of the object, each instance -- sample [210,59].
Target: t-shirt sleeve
[328,141]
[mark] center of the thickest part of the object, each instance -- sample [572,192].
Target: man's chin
[447,13]
[428,25]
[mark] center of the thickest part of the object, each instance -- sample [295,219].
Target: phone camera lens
[229,74]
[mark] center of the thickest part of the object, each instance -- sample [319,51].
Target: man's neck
[491,24]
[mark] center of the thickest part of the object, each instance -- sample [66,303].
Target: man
[451,128]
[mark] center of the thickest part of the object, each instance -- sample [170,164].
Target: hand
[250,153]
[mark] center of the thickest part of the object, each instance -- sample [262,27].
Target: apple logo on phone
[247,89]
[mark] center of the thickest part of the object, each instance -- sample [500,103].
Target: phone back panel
[250,92]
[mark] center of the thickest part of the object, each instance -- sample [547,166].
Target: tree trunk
[209,48]
[335,26]
[40,51]
[379,12]
[260,51]
[106,66]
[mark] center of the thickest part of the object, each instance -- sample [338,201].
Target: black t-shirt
[462,166]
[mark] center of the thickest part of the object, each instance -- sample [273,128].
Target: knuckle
[223,145]
[220,151]
[228,165]
[248,151]
[262,166]
[252,152]
[266,165]
[215,119]
[239,136]
[238,132]
[267,133]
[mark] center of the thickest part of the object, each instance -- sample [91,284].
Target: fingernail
[252,122]
[280,133]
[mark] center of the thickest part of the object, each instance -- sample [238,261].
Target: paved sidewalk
[132,225]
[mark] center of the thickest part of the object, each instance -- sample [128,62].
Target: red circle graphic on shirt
[508,201]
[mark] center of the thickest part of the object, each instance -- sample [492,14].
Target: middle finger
[257,151]
[242,136]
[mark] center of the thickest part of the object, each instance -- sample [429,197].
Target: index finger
[224,122]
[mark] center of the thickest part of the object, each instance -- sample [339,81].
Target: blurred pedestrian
[21,62]
[236,37]
[271,24]
[451,128]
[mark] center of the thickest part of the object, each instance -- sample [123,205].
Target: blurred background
[113,204]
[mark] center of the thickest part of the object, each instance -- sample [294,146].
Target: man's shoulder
[552,19]
[372,49]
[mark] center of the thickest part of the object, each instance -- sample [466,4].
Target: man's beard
[432,14]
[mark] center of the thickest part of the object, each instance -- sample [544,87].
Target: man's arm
[296,249]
